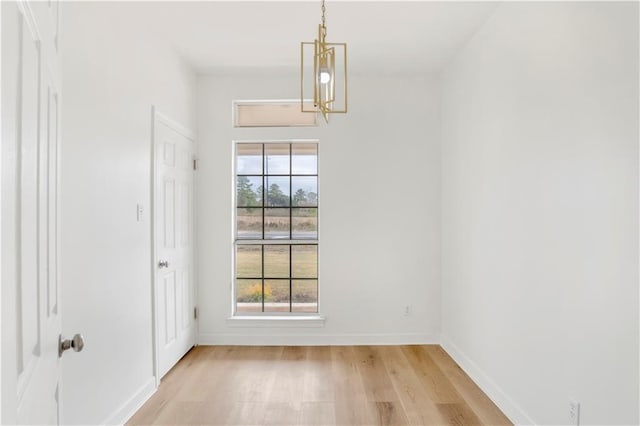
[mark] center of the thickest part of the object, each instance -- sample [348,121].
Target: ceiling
[391,36]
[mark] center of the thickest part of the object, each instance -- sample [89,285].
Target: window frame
[273,241]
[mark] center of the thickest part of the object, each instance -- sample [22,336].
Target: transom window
[273,114]
[276,222]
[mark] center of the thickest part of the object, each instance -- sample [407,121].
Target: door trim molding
[157,118]
[161,118]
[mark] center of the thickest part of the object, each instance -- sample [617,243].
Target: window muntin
[276,256]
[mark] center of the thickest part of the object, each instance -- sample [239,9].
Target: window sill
[314,321]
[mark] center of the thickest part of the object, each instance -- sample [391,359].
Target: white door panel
[52,208]
[27,207]
[173,216]
[30,226]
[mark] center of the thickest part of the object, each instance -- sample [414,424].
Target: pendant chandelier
[323,72]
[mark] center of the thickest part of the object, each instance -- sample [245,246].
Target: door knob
[163,264]
[76,343]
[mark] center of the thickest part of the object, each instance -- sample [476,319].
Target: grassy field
[250,220]
[250,291]
[276,274]
[276,261]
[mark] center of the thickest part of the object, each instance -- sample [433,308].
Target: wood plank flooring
[318,385]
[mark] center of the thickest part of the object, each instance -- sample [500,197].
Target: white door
[173,243]
[30,213]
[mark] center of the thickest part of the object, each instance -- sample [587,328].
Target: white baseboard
[316,339]
[129,408]
[488,386]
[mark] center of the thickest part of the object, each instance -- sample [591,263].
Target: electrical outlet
[407,310]
[574,412]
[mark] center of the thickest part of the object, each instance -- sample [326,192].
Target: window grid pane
[304,296]
[276,198]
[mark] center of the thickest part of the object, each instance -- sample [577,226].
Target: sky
[279,164]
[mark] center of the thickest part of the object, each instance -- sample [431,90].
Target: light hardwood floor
[337,385]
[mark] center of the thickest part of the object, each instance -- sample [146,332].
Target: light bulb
[325,75]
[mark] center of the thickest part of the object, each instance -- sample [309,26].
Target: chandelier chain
[323,10]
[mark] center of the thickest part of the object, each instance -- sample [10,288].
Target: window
[276,222]
[273,114]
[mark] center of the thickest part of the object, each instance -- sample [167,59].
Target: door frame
[156,118]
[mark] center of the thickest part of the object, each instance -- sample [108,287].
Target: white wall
[540,210]
[113,74]
[379,190]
